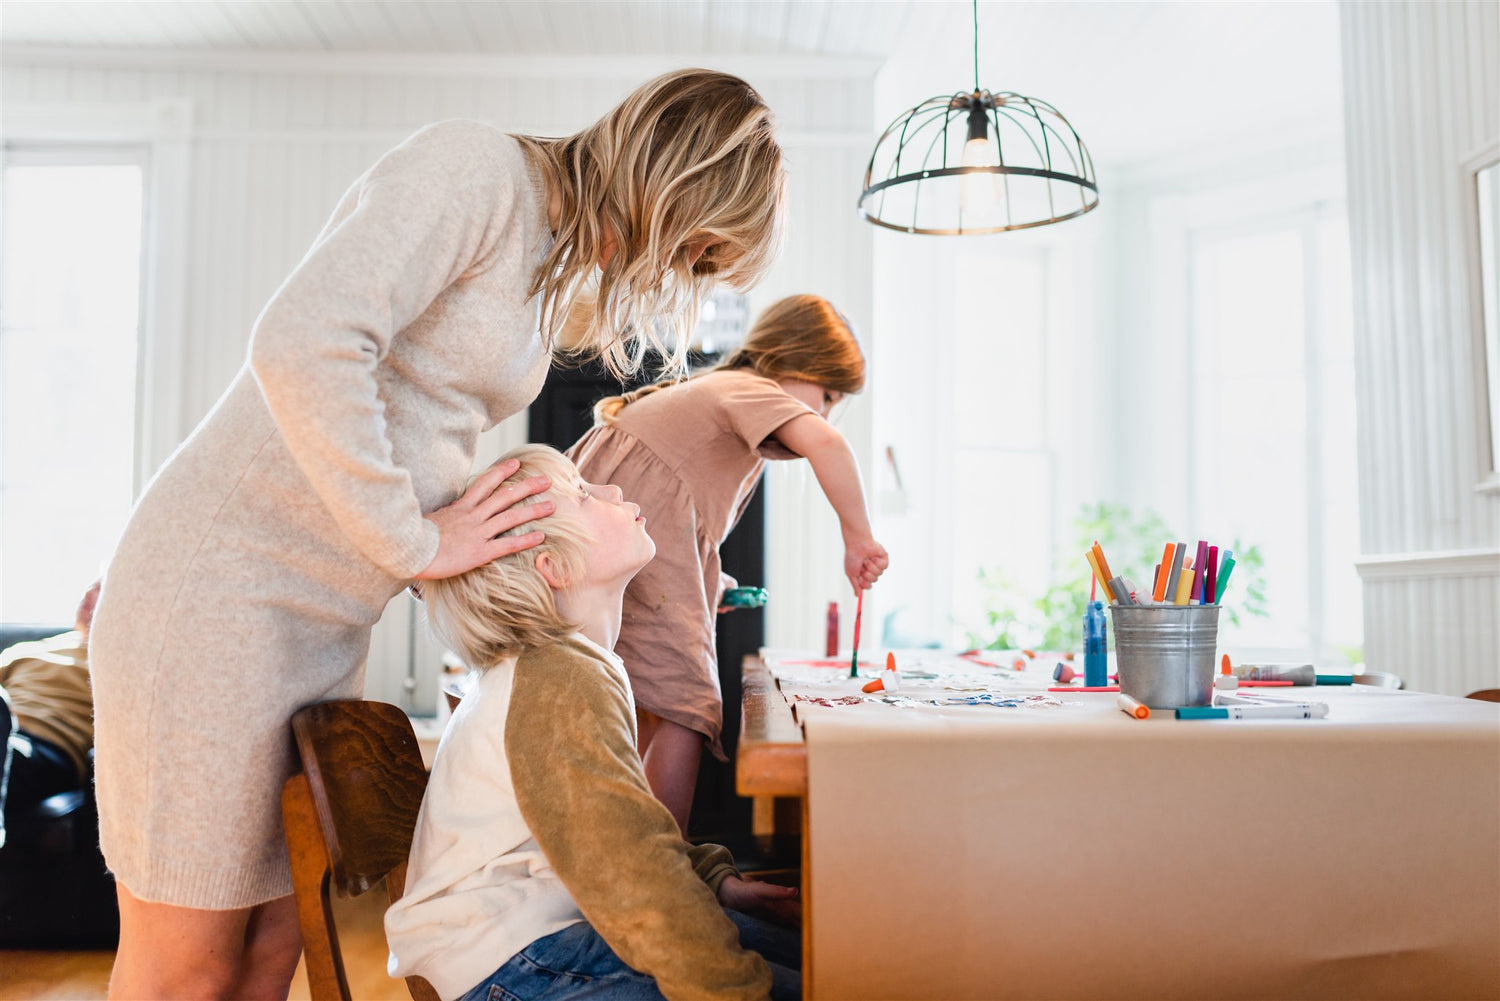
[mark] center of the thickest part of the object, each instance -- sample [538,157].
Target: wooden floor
[83,976]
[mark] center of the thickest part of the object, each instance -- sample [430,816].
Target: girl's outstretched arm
[820,443]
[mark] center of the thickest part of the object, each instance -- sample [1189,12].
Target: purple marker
[1201,558]
[1211,575]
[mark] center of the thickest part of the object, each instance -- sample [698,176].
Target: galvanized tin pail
[1165,653]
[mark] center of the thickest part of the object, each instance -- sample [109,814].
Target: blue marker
[1306,710]
[1095,646]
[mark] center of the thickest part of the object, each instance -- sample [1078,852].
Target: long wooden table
[986,852]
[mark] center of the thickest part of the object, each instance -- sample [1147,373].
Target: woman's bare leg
[671,758]
[168,951]
[273,944]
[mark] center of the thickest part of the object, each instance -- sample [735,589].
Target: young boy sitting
[541,863]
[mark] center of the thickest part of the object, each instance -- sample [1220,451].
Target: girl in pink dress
[691,453]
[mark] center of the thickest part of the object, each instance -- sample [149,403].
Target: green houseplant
[1015,617]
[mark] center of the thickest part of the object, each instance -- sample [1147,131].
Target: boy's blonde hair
[801,337]
[505,607]
[689,157]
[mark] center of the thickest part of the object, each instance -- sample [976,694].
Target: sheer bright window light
[70,274]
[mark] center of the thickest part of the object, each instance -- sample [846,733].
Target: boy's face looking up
[617,532]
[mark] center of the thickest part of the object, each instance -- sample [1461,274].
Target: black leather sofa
[55,892]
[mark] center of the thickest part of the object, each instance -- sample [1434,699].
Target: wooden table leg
[807,911]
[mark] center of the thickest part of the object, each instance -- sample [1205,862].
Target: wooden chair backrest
[349,817]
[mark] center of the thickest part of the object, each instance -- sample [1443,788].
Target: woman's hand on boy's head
[470,529]
[764,900]
[864,561]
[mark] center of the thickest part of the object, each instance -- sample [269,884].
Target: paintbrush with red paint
[859,611]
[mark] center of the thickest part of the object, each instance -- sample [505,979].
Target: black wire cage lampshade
[975,162]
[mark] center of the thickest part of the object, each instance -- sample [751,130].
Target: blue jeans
[575,964]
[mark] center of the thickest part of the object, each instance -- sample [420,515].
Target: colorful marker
[1307,710]
[1199,560]
[1159,593]
[1099,577]
[1179,557]
[1133,707]
[1184,587]
[1223,581]
[1211,576]
[1103,563]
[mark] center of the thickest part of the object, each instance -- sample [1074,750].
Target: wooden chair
[1485,695]
[349,817]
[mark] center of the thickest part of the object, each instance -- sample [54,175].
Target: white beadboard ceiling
[521,27]
[1141,81]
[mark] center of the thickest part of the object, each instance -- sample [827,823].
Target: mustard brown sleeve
[580,787]
[713,864]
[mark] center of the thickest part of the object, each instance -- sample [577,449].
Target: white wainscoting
[1422,94]
[275,141]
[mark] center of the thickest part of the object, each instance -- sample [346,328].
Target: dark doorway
[559,417]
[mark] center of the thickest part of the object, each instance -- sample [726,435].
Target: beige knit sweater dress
[258,559]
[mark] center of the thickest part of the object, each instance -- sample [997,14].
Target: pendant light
[978,162]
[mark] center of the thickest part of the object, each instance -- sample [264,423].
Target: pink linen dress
[690,456]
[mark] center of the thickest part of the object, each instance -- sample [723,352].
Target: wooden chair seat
[349,817]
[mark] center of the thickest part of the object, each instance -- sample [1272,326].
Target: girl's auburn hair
[688,161]
[800,337]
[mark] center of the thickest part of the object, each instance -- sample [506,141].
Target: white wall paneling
[1422,95]
[275,139]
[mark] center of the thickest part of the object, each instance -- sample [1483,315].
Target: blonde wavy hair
[505,607]
[688,161]
[802,337]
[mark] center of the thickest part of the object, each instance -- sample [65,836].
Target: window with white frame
[1273,420]
[1003,464]
[70,289]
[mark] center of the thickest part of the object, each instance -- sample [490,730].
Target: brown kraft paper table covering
[1076,853]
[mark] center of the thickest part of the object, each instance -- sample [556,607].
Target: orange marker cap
[890,661]
[1224,665]
[874,686]
[1103,563]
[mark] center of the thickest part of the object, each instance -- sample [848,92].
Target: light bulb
[979,192]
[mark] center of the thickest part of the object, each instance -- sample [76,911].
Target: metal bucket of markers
[1165,653]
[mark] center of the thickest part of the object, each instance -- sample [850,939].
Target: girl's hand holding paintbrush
[864,561]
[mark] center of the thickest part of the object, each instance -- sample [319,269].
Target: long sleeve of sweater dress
[426,216]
